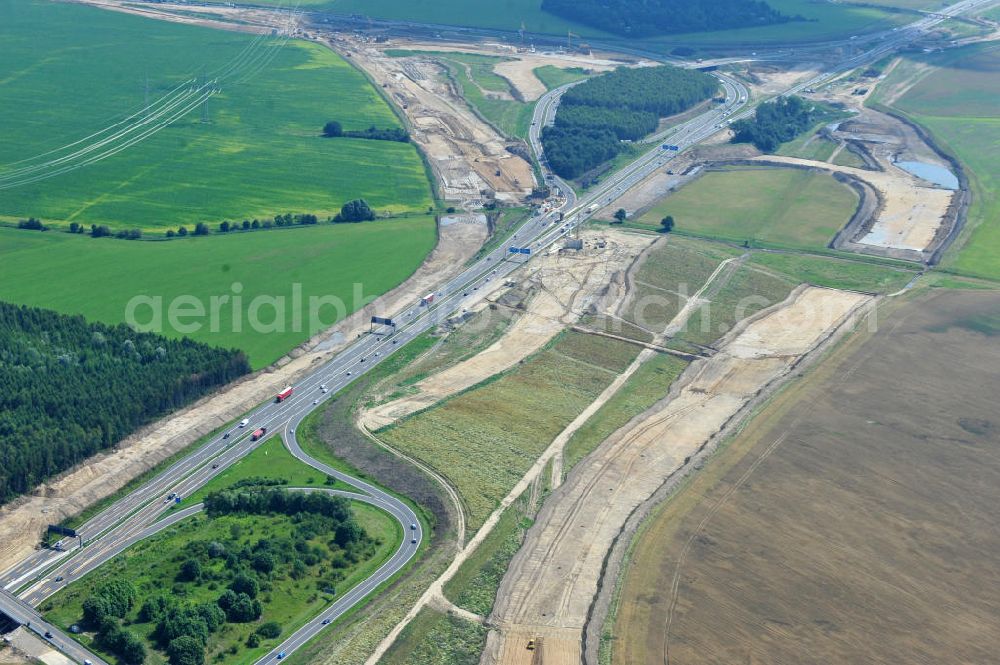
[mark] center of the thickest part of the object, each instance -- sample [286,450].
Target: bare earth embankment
[563,285]
[853,522]
[549,587]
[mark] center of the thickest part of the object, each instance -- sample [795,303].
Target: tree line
[357,210]
[646,18]
[625,105]
[774,123]
[70,389]
[334,129]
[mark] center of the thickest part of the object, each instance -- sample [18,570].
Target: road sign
[62,531]
[381,321]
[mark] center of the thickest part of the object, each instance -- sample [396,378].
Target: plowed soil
[854,522]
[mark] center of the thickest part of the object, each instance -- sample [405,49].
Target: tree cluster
[645,18]
[357,210]
[774,123]
[625,105]
[245,571]
[282,502]
[334,129]
[103,611]
[69,388]
[32,224]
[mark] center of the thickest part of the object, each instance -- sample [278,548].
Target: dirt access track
[23,520]
[564,285]
[465,152]
[519,66]
[551,583]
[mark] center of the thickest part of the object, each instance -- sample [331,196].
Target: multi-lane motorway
[138,515]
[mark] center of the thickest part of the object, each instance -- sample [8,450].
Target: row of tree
[357,210]
[645,18]
[774,123]
[278,501]
[334,129]
[69,388]
[595,117]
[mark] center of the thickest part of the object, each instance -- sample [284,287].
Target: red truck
[284,394]
[427,300]
[256,436]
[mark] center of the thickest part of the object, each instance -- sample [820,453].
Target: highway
[136,515]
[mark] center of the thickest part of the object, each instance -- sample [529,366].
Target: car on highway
[244,422]
[226,435]
[48,634]
[413,526]
[326,622]
[414,541]
[348,374]
[215,466]
[315,402]
[59,578]
[281,654]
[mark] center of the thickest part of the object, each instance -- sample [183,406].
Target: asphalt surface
[136,515]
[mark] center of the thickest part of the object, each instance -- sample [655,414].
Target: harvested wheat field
[854,522]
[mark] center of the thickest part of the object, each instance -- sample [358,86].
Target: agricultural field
[836,273]
[678,266]
[261,152]
[484,439]
[739,292]
[771,207]
[824,20]
[98,277]
[291,592]
[435,637]
[852,521]
[474,586]
[956,102]
[673,271]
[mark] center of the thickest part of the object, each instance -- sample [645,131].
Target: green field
[153,566]
[97,278]
[958,104]
[474,585]
[270,461]
[260,154]
[781,207]
[484,439]
[825,20]
[435,638]
[553,77]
